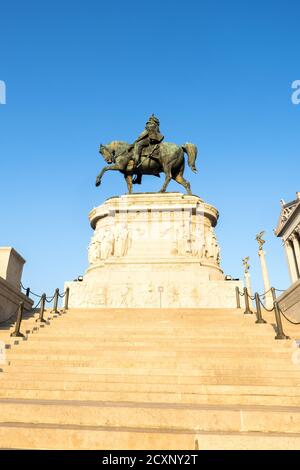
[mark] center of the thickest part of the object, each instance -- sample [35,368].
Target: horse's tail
[191,151]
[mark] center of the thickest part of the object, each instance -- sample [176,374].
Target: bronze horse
[171,161]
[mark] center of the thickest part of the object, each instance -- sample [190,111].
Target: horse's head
[106,153]
[112,150]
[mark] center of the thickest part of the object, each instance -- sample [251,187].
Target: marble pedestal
[153,250]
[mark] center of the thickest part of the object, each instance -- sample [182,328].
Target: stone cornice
[286,220]
[144,202]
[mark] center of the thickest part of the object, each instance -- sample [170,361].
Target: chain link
[264,307]
[265,293]
[242,294]
[49,299]
[22,287]
[34,307]
[35,295]
[290,321]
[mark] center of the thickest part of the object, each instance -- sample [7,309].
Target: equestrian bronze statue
[149,155]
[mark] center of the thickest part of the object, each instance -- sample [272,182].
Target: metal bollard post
[17,333]
[55,303]
[42,309]
[273,290]
[280,333]
[66,305]
[237,294]
[258,310]
[28,292]
[247,305]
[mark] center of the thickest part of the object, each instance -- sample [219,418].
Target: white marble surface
[149,242]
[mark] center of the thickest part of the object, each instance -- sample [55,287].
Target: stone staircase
[150,379]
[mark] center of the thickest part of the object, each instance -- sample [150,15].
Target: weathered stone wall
[10,297]
[11,267]
[289,302]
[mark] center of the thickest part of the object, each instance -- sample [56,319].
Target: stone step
[156,325]
[184,321]
[85,349]
[93,386]
[165,325]
[181,375]
[44,340]
[217,370]
[149,312]
[289,329]
[28,326]
[172,397]
[282,419]
[232,320]
[193,356]
[257,335]
[157,318]
[51,437]
[60,340]
[158,313]
[211,378]
[177,363]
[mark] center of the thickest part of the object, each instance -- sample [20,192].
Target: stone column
[266,280]
[248,284]
[247,275]
[296,246]
[291,261]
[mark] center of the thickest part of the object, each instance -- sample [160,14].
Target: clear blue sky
[217,73]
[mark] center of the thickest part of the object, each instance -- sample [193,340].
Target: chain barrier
[22,287]
[259,303]
[34,295]
[290,321]
[242,294]
[264,307]
[47,299]
[36,305]
[50,299]
[41,302]
[17,333]
[265,293]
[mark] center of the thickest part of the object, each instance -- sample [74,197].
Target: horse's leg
[180,179]
[108,168]
[168,177]
[128,179]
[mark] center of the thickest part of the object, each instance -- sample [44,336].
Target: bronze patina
[149,155]
[260,240]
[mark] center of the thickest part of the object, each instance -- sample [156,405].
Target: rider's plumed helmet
[154,119]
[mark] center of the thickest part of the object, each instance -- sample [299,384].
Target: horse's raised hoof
[98,182]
